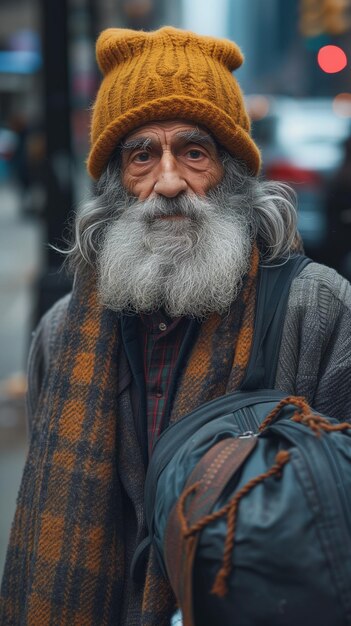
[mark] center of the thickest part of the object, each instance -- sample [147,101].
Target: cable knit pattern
[163,75]
[315,354]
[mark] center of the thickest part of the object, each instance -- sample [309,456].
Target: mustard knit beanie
[168,74]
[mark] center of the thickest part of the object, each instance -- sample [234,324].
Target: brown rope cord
[318,423]
[298,401]
[230,509]
[190,531]
[304,415]
[220,587]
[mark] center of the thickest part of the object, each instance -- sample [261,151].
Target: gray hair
[270,205]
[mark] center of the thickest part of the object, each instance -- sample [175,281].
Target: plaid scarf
[66,561]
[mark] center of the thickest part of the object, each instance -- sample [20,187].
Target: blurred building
[280,41]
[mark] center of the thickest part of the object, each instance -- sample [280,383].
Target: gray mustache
[186,206]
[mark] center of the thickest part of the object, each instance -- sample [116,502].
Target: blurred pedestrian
[161,318]
[29,163]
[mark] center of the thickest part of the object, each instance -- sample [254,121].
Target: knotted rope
[304,415]
[230,510]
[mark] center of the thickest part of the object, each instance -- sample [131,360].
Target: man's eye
[195,154]
[142,157]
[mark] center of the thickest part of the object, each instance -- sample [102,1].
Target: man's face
[168,159]
[175,241]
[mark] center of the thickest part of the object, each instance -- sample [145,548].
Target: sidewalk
[20,257]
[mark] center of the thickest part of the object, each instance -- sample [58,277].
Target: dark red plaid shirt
[161,341]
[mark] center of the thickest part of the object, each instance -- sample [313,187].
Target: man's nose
[169,179]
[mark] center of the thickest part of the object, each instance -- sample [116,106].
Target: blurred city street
[20,257]
[296,81]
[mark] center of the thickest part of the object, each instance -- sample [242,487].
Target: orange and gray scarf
[65,563]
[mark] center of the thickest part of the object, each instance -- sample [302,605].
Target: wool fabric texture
[168,74]
[66,560]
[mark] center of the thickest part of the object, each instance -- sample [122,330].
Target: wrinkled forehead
[172,129]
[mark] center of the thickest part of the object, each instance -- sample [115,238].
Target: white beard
[192,265]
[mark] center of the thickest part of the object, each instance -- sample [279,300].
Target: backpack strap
[273,289]
[209,476]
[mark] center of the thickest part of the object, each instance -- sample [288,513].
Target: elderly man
[160,320]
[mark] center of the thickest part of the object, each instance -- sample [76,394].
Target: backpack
[247,498]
